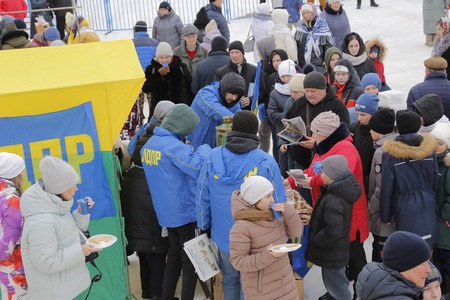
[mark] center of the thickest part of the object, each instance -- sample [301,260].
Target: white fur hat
[255,188]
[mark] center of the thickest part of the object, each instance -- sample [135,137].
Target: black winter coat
[204,74]
[329,227]
[301,155]
[175,86]
[364,144]
[141,224]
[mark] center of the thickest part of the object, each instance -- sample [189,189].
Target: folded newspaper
[203,256]
[294,129]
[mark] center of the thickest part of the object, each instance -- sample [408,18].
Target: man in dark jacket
[218,57]
[61,14]
[214,12]
[435,83]
[402,273]
[239,65]
[329,242]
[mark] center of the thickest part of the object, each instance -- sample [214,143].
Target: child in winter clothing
[441,251]
[381,129]
[371,83]
[329,242]
[376,51]
[265,274]
[432,288]
[346,83]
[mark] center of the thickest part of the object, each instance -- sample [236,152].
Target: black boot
[372,3]
[358,4]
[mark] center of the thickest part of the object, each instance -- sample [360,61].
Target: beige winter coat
[264,277]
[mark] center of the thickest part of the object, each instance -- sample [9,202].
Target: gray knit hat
[335,166]
[163,49]
[58,176]
[161,108]
[180,119]
[315,80]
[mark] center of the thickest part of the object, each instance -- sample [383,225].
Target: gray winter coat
[51,250]
[375,225]
[432,10]
[168,28]
[378,282]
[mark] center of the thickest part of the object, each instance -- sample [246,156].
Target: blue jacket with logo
[210,109]
[222,174]
[171,168]
[145,48]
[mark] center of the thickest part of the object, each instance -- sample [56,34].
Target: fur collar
[402,150]
[338,135]
[331,11]
[380,44]
[253,214]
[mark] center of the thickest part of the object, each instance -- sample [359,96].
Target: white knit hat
[11,165]
[58,176]
[296,83]
[255,188]
[441,131]
[163,49]
[286,67]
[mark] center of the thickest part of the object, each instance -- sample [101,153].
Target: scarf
[282,88]
[355,60]
[253,214]
[239,142]
[441,45]
[319,35]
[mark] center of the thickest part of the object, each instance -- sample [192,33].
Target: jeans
[336,283]
[231,278]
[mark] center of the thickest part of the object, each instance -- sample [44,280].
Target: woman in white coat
[284,38]
[261,26]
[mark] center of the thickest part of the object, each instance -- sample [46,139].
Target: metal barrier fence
[109,15]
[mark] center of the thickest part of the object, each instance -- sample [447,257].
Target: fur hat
[180,119]
[255,188]
[219,43]
[335,166]
[20,24]
[210,26]
[246,122]
[165,5]
[140,26]
[236,45]
[296,83]
[405,250]
[11,165]
[51,34]
[325,123]
[286,67]
[367,103]
[315,80]
[383,121]
[163,49]
[441,131]
[263,8]
[189,29]
[57,175]
[407,122]
[435,63]
[371,79]
[161,108]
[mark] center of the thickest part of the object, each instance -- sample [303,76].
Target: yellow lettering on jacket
[151,157]
[251,173]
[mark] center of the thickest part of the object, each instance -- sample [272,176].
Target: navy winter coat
[215,13]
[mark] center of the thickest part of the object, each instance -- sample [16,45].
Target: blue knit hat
[367,103]
[371,79]
[52,34]
[435,275]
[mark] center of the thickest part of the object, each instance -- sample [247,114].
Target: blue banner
[68,134]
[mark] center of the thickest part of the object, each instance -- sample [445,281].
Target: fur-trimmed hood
[401,150]
[376,42]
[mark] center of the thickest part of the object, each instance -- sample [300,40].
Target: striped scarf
[320,34]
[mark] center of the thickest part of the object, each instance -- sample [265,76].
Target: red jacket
[14,5]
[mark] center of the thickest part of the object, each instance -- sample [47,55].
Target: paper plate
[285,247]
[102,244]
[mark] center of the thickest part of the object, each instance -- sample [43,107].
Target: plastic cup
[84,206]
[317,167]
[277,214]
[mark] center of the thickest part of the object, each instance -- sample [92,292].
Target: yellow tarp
[49,79]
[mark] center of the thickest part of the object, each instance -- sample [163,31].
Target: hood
[430,108]
[36,201]
[401,150]
[353,79]
[347,188]
[266,46]
[280,17]
[261,16]
[170,14]
[201,19]
[348,38]
[331,11]
[242,211]
[17,39]
[283,55]
[232,83]
[211,34]
[376,42]
[389,136]
[328,54]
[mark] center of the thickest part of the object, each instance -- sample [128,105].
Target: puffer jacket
[215,13]
[207,39]
[14,5]
[282,34]
[145,48]
[201,20]
[329,226]
[378,282]
[168,28]
[173,168]
[210,108]
[263,276]
[191,63]
[410,179]
[363,142]
[443,203]
[224,172]
[275,110]
[375,225]
[337,22]
[54,262]
[15,39]
[204,74]
[261,26]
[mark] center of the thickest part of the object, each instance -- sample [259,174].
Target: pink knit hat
[325,123]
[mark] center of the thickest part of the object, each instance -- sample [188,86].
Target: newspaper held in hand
[203,255]
[294,129]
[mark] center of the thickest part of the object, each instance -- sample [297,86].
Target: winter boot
[358,4]
[372,3]
[429,40]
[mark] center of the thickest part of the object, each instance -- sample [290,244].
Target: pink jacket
[263,276]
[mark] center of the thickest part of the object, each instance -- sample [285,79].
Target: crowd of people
[370,168]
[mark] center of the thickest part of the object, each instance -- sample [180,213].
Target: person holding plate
[53,257]
[266,272]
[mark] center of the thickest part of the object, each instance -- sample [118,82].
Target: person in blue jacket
[171,168]
[214,12]
[293,8]
[212,103]
[144,44]
[223,172]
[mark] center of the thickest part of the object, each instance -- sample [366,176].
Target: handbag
[249,43]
